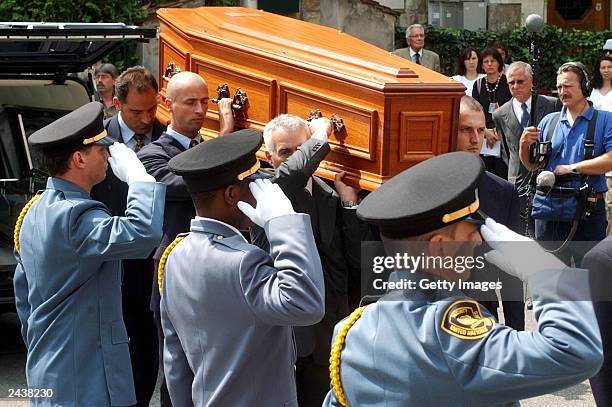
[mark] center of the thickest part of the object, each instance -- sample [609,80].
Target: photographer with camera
[573,151]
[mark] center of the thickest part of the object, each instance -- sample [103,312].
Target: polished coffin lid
[346,69]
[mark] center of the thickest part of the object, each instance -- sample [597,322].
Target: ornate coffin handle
[314,114]
[171,70]
[222,92]
[336,121]
[240,100]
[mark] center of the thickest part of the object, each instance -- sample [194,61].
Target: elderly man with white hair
[336,231]
[415,39]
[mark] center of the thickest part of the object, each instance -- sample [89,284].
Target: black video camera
[589,195]
[540,151]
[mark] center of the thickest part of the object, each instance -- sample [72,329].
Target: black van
[42,77]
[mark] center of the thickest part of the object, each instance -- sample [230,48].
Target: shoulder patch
[464,320]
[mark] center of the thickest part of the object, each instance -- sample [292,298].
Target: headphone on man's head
[585,85]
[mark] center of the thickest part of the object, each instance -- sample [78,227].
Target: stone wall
[526,7]
[363,19]
[310,10]
[149,52]
[415,13]
[503,17]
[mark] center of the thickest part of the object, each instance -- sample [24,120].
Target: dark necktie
[525,117]
[140,142]
[417,58]
[193,143]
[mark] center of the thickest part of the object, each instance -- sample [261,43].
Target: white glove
[271,202]
[126,166]
[517,255]
[320,129]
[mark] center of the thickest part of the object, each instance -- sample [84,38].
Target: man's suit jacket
[509,128]
[228,309]
[179,207]
[499,200]
[337,234]
[112,192]
[598,261]
[429,59]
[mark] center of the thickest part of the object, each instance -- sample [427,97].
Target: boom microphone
[546,179]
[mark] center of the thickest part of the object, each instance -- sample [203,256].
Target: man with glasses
[514,115]
[415,38]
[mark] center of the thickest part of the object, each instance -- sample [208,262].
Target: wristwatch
[574,169]
[350,204]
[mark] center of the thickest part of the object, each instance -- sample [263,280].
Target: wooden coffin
[395,113]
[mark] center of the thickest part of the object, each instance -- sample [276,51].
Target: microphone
[534,23]
[545,180]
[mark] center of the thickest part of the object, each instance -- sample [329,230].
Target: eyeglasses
[517,82]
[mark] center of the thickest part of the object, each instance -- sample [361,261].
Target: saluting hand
[516,254]
[126,166]
[271,202]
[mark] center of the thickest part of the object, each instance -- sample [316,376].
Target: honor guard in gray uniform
[228,307]
[68,276]
[424,347]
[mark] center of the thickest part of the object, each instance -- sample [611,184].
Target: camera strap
[553,125]
[589,140]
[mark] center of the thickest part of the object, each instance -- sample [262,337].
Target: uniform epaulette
[163,259]
[335,359]
[20,218]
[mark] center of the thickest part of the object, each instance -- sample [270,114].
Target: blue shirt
[568,141]
[127,134]
[184,140]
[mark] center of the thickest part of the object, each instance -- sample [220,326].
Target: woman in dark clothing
[492,92]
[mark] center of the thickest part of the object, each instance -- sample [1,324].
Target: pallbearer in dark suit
[136,99]
[336,231]
[499,200]
[187,99]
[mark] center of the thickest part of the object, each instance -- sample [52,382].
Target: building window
[573,9]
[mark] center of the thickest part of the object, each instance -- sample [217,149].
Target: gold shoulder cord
[334,360]
[19,222]
[162,262]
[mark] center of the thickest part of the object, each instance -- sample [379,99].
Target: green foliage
[85,11]
[81,11]
[555,46]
